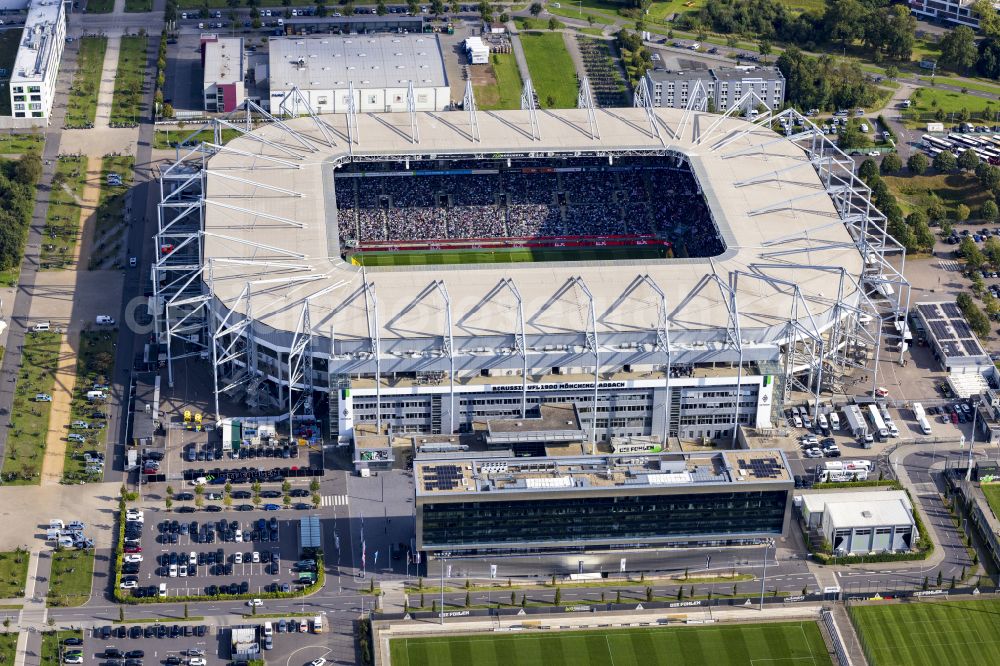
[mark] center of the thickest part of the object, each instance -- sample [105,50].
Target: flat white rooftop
[224,60]
[815,502]
[868,514]
[34,55]
[328,62]
[271,211]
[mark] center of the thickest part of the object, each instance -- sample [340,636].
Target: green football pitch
[930,633]
[778,644]
[506,255]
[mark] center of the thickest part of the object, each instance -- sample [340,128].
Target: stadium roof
[370,61]
[269,221]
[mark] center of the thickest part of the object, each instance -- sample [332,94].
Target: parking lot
[196,644]
[225,554]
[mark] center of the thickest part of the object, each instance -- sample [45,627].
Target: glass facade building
[597,521]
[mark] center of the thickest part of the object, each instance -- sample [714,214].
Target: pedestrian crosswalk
[951,266]
[333,500]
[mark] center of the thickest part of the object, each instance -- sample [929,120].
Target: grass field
[81,104]
[992,492]
[164,139]
[110,226]
[505,256]
[129,82]
[13,574]
[506,94]
[50,645]
[552,73]
[94,364]
[9,40]
[779,644]
[29,422]
[8,647]
[928,101]
[138,5]
[62,222]
[950,190]
[929,633]
[18,144]
[72,571]
[100,6]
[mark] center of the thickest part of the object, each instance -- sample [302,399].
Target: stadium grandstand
[670,272]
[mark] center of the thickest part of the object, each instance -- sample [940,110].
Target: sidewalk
[107,89]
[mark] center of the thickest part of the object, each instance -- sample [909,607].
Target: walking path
[574,53]
[518,49]
[106,92]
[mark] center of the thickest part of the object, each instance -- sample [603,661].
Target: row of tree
[913,230]
[17,192]
[887,30]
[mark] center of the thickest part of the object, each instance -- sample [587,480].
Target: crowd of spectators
[661,200]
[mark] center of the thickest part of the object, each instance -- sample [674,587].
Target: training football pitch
[505,255]
[930,632]
[778,644]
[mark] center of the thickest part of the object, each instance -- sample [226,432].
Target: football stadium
[672,273]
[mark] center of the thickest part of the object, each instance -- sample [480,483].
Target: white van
[52,534]
[268,629]
[835,421]
[96,395]
[822,421]
[105,320]
[41,327]
[163,590]
[56,524]
[797,420]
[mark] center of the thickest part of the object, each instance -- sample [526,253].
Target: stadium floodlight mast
[585,100]
[469,104]
[411,108]
[528,104]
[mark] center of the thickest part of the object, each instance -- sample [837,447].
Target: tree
[968,160]
[962,212]
[968,250]
[958,49]
[524,599]
[168,110]
[891,164]
[988,58]
[891,73]
[989,21]
[513,598]
[989,213]
[940,577]
[468,599]
[618,596]
[945,162]
[553,23]
[437,7]
[764,48]
[868,170]
[917,163]
[924,585]
[558,597]
[535,9]
[989,176]
[381,9]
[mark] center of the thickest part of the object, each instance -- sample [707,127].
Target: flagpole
[362,546]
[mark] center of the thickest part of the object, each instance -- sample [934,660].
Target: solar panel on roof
[951,310]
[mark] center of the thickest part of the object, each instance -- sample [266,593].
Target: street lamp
[763,578]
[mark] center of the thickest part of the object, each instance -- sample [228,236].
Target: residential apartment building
[723,85]
[958,12]
[36,66]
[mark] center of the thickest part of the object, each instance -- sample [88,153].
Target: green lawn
[777,644]
[50,645]
[992,492]
[8,647]
[951,189]
[81,105]
[927,101]
[62,224]
[13,574]
[29,419]
[506,94]
[138,5]
[18,144]
[552,73]
[9,40]
[110,228]
[72,571]
[505,256]
[530,23]
[165,139]
[94,364]
[129,82]
[929,633]
[100,6]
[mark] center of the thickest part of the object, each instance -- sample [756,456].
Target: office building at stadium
[725,86]
[36,65]
[223,73]
[382,72]
[264,269]
[476,506]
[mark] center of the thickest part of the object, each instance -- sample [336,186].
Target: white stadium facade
[253,275]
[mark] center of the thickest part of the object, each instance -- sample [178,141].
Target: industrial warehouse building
[856,522]
[36,66]
[380,67]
